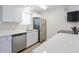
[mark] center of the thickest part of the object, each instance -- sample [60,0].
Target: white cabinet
[32,38]
[70,8]
[10,13]
[5,44]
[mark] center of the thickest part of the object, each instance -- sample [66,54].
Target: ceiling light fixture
[27,9]
[43,7]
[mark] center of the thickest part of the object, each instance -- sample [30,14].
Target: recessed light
[43,7]
[27,9]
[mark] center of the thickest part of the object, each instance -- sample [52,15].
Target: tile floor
[29,50]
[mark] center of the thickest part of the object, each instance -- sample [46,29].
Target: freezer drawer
[18,42]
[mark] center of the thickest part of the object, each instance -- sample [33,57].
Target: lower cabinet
[8,43]
[32,38]
[5,44]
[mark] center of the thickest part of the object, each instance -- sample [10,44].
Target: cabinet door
[11,14]
[32,38]
[35,36]
[5,44]
[18,14]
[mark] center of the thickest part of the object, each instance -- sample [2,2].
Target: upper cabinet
[10,13]
[70,8]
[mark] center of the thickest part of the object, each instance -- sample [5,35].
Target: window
[26,19]
[27,16]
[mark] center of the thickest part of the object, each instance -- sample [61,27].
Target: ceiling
[49,8]
[37,9]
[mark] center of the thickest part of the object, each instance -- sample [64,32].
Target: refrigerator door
[43,22]
[43,30]
[40,24]
[42,35]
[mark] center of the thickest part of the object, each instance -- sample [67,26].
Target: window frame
[31,19]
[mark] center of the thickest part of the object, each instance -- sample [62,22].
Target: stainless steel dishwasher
[18,42]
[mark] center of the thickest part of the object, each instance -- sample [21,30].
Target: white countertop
[60,43]
[12,32]
[4,33]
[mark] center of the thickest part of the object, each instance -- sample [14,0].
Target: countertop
[60,43]
[65,31]
[12,32]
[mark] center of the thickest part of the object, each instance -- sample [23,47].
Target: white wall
[36,14]
[56,20]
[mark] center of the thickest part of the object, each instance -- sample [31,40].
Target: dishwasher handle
[18,34]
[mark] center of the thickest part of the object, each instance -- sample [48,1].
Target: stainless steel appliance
[18,42]
[40,24]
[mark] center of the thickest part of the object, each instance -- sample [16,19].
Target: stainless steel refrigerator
[40,25]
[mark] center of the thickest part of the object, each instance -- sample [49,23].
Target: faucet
[75,30]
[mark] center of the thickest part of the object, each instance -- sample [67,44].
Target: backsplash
[12,26]
[7,26]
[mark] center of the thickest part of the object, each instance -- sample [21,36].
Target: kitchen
[16,28]
[39,29]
